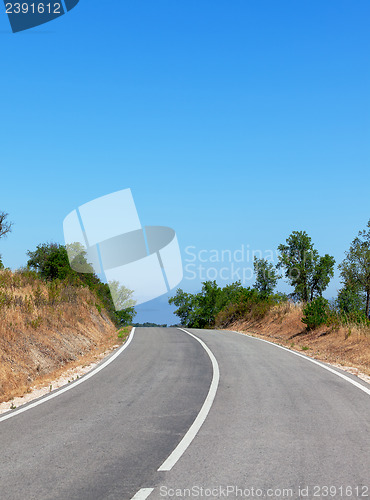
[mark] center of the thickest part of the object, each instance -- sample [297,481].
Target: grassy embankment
[346,345]
[47,328]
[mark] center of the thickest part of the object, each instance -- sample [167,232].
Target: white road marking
[341,375]
[72,385]
[202,415]
[142,494]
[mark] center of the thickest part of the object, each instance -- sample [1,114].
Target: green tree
[229,294]
[350,300]
[50,260]
[125,316]
[321,276]
[184,302]
[198,310]
[355,268]
[205,305]
[305,270]
[266,276]
[221,305]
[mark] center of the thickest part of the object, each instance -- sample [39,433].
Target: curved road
[279,427]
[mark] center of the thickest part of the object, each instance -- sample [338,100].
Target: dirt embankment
[345,347]
[45,330]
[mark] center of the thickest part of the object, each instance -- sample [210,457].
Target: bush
[232,312]
[316,313]
[250,306]
[355,318]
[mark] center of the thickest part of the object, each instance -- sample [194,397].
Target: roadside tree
[306,271]
[355,268]
[266,276]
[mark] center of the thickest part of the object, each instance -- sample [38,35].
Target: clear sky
[234,122]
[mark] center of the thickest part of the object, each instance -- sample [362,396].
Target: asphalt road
[279,427]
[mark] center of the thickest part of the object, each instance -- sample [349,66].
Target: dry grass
[46,329]
[343,346]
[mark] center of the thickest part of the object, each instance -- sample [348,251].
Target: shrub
[355,318]
[232,312]
[316,313]
[250,306]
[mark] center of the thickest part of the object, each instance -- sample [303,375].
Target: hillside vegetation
[53,318]
[345,345]
[46,326]
[336,331]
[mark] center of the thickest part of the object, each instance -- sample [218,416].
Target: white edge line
[142,494]
[74,384]
[202,415]
[341,375]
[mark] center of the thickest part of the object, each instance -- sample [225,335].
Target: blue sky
[232,122]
